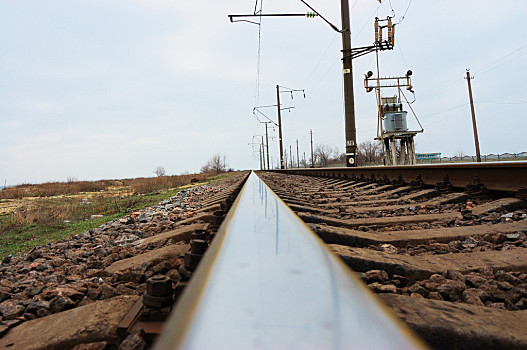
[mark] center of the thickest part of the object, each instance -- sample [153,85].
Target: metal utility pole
[297,156]
[476,141]
[349,102]
[312,161]
[261,166]
[280,127]
[263,153]
[291,157]
[267,145]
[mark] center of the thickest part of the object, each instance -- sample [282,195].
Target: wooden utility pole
[279,127]
[312,160]
[349,102]
[476,141]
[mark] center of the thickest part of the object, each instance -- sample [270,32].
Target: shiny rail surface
[268,282]
[504,176]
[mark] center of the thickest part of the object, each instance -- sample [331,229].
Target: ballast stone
[86,324]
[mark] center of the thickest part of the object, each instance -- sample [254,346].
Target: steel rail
[267,281]
[503,176]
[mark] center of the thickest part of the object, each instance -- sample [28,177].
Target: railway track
[241,270]
[450,262]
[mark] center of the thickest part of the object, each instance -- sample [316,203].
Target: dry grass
[56,202]
[156,184]
[55,212]
[138,186]
[37,214]
[50,189]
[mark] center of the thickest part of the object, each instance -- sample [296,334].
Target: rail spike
[399,181]
[444,186]
[418,182]
[476,188]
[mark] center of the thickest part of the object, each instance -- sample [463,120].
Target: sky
[112,89]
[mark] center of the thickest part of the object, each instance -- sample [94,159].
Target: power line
[402,18]
[501,103]
[320,60]
[507,55]
[333,64]
[368,21]
[507,99]
[325,20]
[391,7]
[445,110]
[485,68]
[386,11]
[489,65]
[401,52]
[448,116]
[324,76]
[433,91]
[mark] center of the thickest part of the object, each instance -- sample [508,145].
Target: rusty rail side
[506,176]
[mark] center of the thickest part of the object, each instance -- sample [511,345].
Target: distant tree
[160,171]
[324,154]
[369,152]
[216,164]
[460,154]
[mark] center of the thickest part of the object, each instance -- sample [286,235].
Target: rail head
[268,282]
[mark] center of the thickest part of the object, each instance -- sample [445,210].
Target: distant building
[427,156]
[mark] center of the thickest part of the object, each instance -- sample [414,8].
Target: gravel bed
[502,290]
[71,272]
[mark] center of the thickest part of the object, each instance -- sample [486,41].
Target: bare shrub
[216,164]
[369,153]
[325,155]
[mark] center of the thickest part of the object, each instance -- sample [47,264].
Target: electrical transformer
[395,121]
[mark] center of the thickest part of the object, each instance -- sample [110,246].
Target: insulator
[390,31]
[376,30]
